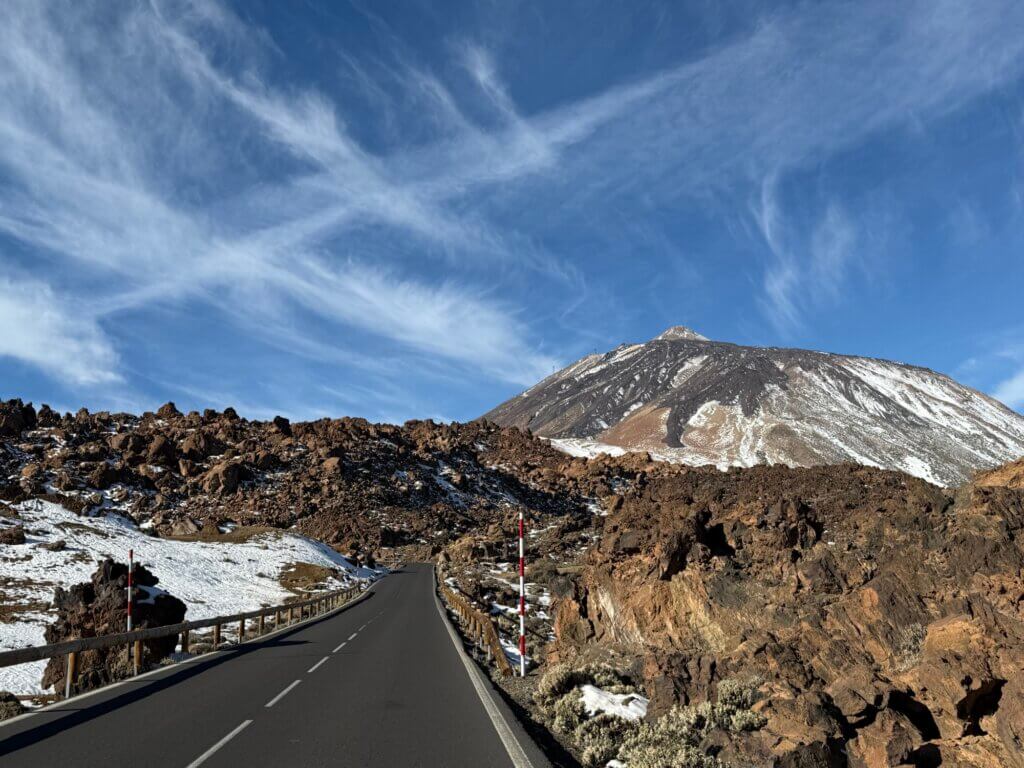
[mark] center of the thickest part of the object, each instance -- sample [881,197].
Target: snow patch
[212,579]
[628,706]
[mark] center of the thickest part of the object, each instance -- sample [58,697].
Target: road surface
[379,684]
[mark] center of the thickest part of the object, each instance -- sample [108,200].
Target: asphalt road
[378,684]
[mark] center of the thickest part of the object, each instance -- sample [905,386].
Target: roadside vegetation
[678,739]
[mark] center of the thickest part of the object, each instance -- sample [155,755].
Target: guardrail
[479,628]
[305,609]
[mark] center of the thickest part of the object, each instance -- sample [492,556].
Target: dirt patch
[301,578]
[83,528]
[644,429]
[239,535]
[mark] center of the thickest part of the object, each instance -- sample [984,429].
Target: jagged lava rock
[98,607]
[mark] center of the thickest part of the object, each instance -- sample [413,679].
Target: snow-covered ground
[629,706]
[585,448]
[213,579]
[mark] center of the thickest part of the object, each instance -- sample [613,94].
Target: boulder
[184,527]
[168,411]
[98,607]
[224,478]
[13,535]
[161,451]
[10,706]
[15,418]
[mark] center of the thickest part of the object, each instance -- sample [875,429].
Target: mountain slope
[688,399]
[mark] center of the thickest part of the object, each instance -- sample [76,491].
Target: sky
[418,209]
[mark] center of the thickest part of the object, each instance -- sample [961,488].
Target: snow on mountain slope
[213,579]
[687,399]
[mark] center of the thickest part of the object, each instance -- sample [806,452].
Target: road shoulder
[522,750]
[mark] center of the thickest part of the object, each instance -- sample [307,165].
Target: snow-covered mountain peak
[679,333]
[704,402]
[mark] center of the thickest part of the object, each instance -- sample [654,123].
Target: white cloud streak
[39,329]
[99,144]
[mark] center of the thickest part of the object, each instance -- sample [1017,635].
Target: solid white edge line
[209,753]
[171,668]
[314,668]
[515,750]
[340,647]
[281,695]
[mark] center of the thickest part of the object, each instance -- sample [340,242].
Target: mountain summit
[680,333]
[685,398]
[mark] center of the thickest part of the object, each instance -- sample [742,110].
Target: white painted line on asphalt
[314,667]
[340,647]
[209,753]
[281,695]
[353,636]
[362,628]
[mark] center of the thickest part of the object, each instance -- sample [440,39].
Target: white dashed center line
[340,647]
[209,753]
[352,636]
[314,667]
[281,695]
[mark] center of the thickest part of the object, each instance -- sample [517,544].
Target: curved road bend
[379,684]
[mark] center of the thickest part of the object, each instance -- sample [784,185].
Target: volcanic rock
[13,535]
[10,706]
[882,613]
[16,417]
[224,478]
[98,608]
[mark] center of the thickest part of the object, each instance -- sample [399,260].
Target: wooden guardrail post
[241,630]
[137,656]
[262,624]
[216,636]
[71,674]
[184,641]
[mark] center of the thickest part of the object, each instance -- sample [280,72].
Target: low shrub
[675,740]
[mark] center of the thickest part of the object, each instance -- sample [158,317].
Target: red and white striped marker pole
[522,595]
[131,569]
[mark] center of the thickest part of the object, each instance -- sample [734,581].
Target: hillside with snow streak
[213,578]
[687,399]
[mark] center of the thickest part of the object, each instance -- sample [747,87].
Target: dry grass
[302,578]
[239,535]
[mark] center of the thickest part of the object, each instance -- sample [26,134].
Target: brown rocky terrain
[362,488]
[884,615]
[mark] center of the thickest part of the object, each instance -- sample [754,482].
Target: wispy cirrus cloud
[40,328]
[149,156]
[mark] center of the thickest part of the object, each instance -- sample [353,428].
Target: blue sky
[416,209]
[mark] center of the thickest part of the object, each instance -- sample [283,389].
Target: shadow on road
[61,719]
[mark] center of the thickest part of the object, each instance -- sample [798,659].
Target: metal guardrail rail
[316,606]
[479,627]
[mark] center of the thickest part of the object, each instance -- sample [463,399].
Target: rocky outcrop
[885,615]
[10,706]
[98,607]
